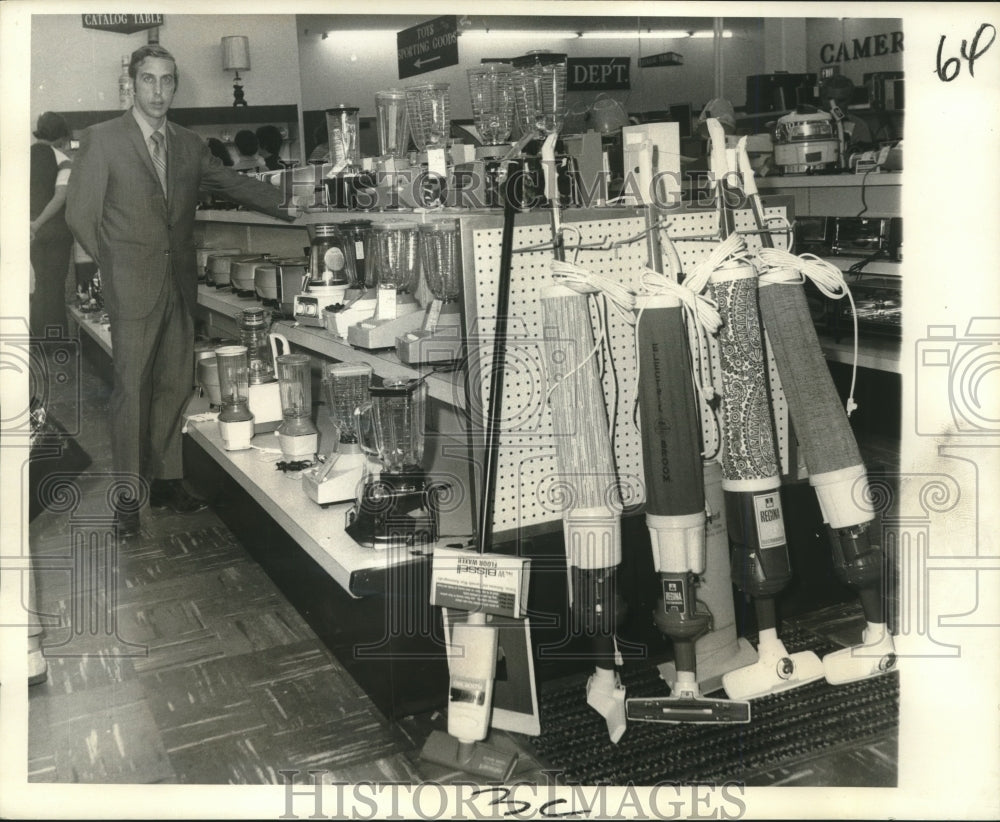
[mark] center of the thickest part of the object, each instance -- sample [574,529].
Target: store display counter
[89,324]
[319,531]
[877,194]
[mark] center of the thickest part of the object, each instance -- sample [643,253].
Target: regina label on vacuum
[770,523]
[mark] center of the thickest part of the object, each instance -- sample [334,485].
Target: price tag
[493,583]
[433,315]
[385,304]
[436,163]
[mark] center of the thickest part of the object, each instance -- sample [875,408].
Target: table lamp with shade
[236,57]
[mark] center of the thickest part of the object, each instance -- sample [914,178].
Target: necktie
[159,155]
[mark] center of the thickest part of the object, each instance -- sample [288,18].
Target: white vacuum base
[774,671]
[874,656]
[609,703]
[712,666]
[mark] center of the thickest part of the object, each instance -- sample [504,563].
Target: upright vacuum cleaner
[472,651]
[751,477]
[675,509]
[592,524]
[828,445]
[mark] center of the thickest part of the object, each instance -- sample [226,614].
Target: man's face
[154,89]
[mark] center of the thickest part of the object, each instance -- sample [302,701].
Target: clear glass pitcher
[234,386]
[345,388]
[440,254]
[391,124]
[342,132]
[492,101]
[539,80]
[295,386]
[396,244]
[390,426]
[428,109]
[253,324]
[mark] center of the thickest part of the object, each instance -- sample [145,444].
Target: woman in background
[248,161]
[51,240]
[270,140]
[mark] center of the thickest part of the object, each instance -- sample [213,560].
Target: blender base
[374,334]
[340,484]
[297,446]
[393,510]
[265,405]
[443,344]
[236,436]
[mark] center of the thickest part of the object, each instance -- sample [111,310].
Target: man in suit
[131,205]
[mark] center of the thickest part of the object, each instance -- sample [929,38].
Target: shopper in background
[321,153]
[270,141]
[248,160]
[51,240]
[218,148]
[131,204]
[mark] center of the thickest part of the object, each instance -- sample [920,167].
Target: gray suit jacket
[137,236]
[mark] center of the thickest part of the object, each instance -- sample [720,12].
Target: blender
[393,173]
[396,245]
[344,178]
[345,388]
[235,419]
[397,506]
[492,90]
[264,397]
[360,297]
[539,81]
[428,109]
[297,434]
[328,276]
[439,339]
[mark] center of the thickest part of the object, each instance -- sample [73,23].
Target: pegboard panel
[528,489]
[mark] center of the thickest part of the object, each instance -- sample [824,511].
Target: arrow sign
[427,46]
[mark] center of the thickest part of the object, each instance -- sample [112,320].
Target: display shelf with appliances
[221,305]
[317,530]
[875,194]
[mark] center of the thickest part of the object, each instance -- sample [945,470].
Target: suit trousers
[152,364]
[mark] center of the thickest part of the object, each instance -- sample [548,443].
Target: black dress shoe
[173,495]
[128,523]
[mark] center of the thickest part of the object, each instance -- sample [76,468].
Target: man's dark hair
[150,50]
[218,148]
[270,139]
[246,142]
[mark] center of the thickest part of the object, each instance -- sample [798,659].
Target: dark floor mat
[785,728]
